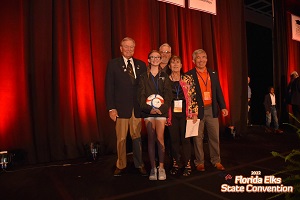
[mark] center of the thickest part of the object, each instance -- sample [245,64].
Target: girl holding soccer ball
[154,96]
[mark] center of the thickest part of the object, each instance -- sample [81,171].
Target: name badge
[207,96]
[177,106]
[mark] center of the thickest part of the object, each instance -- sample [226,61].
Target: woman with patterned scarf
[184,107]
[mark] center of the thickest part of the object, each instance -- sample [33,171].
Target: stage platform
[81,179]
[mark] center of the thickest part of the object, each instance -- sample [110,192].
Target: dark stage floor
[82,180]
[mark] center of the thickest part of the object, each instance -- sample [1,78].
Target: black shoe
[143,171]
[174,170]
[118,172]
[187,171]
[175,167]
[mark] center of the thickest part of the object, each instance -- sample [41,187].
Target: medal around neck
[155,100]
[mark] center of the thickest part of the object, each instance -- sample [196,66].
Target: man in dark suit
[210,99]
[295,95]
[121,100]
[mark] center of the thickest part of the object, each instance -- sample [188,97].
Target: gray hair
[127,39]
[197,52]
[164,44]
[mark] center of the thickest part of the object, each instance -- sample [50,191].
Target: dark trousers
[177,136]
[296,111]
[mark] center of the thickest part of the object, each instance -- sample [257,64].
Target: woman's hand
[155,111]
[195,118]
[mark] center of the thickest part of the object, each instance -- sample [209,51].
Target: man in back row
[165,51]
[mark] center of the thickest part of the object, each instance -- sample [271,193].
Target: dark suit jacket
[295,94]
[268,102]
[120,92]
[147,87]
[217,94]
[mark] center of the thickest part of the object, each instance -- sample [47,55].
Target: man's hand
[113,114]
[224,112]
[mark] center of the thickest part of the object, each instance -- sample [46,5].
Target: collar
[125,60]
[205,70]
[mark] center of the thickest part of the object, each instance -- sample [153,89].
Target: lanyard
[205,82]
[177,89]
[155,84]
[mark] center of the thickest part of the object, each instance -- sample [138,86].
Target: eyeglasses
[165,52]
[155,57]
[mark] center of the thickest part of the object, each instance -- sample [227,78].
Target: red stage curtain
[286,50]
[293,53]
[53,62]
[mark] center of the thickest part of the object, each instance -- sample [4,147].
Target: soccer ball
[155,100]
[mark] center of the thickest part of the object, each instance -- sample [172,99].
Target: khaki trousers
[212,127]
[134,125]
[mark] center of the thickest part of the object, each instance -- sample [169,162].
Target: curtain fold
[54,56]
[286,52]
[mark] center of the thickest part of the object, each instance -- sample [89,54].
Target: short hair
[165,44]
[127,39]
[174,57]
[294,75]
[197,52]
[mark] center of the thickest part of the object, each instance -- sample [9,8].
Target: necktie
[130,69]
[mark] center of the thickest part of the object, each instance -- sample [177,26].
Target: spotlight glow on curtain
[53,63]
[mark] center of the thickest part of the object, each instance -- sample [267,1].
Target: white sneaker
[162,174]
[153,174]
